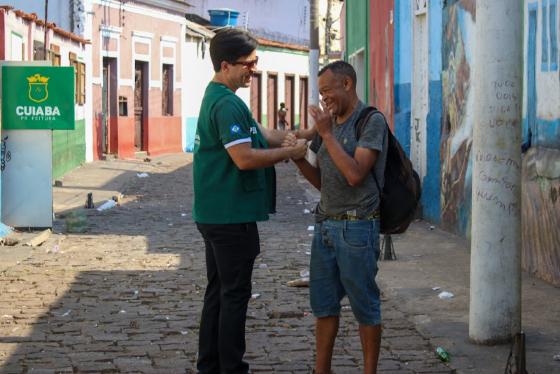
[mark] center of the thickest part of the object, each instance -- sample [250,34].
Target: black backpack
[401,191]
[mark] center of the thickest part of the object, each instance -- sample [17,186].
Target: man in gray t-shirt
[338,198]
[346,240]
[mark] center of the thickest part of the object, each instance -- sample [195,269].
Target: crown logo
[38,88]
[37,78]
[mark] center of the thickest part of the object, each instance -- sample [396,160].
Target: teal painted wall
[357,33]
[190,132]
[69,149]
[356,25]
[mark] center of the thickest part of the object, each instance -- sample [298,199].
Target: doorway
[256,104]
[303,102]
[140,104]
[108,103]
[272,101]
[289,88]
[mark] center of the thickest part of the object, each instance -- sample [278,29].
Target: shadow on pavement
[109,307]
[125,296]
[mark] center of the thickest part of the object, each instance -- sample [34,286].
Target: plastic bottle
[442,354]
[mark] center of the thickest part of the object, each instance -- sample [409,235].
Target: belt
[350,217]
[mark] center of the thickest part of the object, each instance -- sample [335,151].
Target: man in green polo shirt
[234,187]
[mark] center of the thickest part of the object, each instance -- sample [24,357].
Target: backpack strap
[364,117]
[359,126]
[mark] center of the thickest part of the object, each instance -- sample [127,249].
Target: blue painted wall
[403,94]
[432,181]
[403,72]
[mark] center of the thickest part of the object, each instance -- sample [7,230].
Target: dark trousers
[230,254]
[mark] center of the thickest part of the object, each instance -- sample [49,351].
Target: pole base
[516,359]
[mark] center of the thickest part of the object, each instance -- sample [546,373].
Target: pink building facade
[137,56]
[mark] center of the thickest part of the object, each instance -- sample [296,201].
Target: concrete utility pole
[328,27]
[46,30]
[495,292]
[314,54]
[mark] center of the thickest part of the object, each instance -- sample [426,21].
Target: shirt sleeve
[373,133]
[231,123]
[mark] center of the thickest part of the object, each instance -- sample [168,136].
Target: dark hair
[229,45]
[341,68]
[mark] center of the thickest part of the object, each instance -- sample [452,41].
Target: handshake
[298,146]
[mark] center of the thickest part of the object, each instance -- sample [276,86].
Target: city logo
[38,88]
[38,97]
[38,92]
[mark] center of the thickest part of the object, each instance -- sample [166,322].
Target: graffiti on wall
[457,124]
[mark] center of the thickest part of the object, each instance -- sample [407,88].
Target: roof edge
[32,17]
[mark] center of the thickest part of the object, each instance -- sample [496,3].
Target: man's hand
[290,140]
[323,120]
[300,150]
[298,147]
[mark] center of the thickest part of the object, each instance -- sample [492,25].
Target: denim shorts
[344,263]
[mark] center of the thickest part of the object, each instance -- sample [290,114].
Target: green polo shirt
[223,193]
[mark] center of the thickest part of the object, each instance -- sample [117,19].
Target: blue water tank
[223,17]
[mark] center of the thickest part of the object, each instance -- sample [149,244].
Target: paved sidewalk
[429,258]
[125,296]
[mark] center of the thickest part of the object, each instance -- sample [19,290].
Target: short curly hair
[340,68]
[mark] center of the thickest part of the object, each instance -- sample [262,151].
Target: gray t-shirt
[337,196]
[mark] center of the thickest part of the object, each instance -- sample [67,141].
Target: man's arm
[247,158]
[305,133]
[273,137]
[312,174]
[354,169]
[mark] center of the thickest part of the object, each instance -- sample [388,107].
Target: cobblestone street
[125,296]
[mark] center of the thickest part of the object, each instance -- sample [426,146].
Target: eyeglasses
[248,64]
